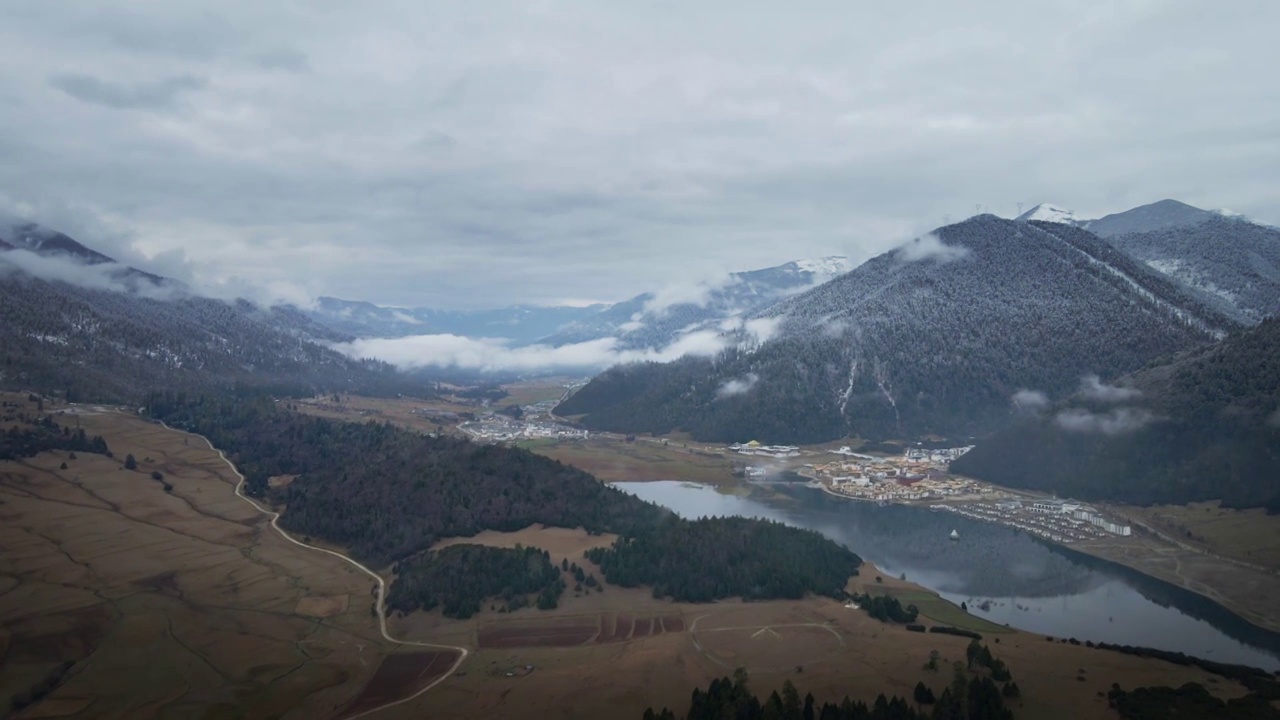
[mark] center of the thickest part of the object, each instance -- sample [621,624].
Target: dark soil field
[398,676]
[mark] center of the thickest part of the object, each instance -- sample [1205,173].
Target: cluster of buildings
[938,456]
[500,428]
[1057,520]
[773,451]
[916,475]
[1079,511]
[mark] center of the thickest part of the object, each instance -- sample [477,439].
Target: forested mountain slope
[1234,262]
[931,338]
[106,332]
[388,494]
[1200,425]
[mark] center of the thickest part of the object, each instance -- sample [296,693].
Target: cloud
[149,95]
[405,317]
[1032,401]
[1093,388]
[756,331]
[282,59]
[696,292]
[497,354]
[1115,422]
[1274,420]
[929,247]
[737,386]
[99,276]
[474,155]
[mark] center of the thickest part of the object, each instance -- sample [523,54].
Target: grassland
[1250,536]
[173,604]
[535,391]
[613,459]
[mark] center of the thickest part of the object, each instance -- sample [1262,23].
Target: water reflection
[1002,574]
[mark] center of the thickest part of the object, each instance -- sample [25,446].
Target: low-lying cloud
[930,247]
[1115,422]
[96,276]
[756,331]
[737,386]
[1093,388]
[496,354]
[1032,401]
[697,293]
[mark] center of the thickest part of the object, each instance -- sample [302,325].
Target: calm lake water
[1004,575]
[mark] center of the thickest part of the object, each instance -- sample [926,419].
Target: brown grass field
[187,605]
[1251,536]
[169,605]
[612,459]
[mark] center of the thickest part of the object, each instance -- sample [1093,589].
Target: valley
[653,361]
[305,619]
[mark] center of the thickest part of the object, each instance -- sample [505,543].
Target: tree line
[713,558]
[966,698]
[459,578]
[45,434]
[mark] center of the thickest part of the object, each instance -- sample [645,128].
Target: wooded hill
[716,558]
[930,339]
[387,495]
[459,578]
[1200,425]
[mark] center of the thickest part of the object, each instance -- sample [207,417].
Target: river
[1001,574]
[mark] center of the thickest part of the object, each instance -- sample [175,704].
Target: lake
[1002,574]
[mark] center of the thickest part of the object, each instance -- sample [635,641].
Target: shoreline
[1263,622]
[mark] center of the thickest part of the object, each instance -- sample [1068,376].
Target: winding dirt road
[382,584]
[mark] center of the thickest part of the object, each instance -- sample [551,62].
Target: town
[921,476]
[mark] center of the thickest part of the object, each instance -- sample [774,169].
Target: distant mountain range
[932,338]
[1199,425]
[1231,263]
[649,320]
[75,320]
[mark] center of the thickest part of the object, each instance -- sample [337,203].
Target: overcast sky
[476,154]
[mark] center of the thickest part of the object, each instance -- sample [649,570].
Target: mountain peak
[829,266]
[1048,212]
[1158,215]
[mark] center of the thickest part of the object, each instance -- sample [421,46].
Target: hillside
[1201,425]
[931,338]
[1234,263]
[75,320]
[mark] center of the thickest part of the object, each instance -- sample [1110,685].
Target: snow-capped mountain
[1046,212]
[929,339]
[649,320]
